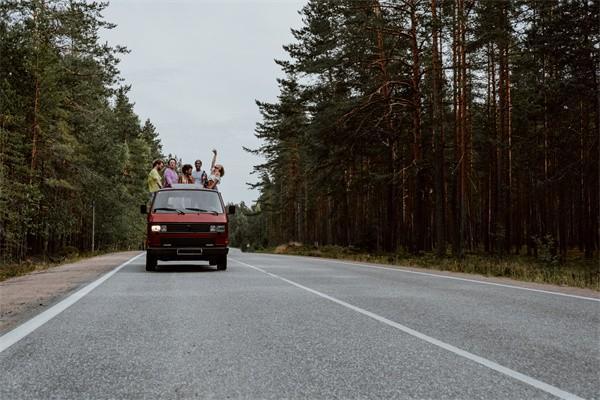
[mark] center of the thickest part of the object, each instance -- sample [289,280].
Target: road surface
[274,327]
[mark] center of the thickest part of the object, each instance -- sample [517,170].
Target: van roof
[187,186]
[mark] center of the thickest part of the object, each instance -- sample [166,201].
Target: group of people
[189,174]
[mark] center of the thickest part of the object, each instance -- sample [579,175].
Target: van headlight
[158,228]
[217,228]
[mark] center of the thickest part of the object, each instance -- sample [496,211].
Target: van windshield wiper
[169,209]
[202,210]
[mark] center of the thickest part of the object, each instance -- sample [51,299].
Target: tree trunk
[417,146]
[438,138]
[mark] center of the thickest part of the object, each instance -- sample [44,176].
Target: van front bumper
[187,253]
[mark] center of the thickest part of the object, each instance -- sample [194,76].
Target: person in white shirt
[216,173]
[199,174]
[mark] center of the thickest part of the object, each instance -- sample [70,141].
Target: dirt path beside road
[25,296]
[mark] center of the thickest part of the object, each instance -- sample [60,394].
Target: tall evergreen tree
[417,123]
[61,113]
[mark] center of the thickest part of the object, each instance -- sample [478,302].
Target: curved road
[292,327]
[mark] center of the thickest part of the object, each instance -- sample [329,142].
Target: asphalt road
[288,327]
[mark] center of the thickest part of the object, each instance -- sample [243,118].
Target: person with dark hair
[186,175]
[170,177]
[198,173]
[154,179]
[216,173]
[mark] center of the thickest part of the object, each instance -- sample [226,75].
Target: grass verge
[576,271]
[34,264]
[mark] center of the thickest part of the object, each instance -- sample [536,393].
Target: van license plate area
[190,252]
[187,242]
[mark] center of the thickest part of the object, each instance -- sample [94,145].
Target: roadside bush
[64,253]
[545,268]
[547,251]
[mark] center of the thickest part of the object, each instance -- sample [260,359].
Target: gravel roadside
[25,296]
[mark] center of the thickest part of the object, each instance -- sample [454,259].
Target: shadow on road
[168,268]
[172,268]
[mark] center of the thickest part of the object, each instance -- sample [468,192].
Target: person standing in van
[199,174]
[171,177]
[154,178]
[216,173]
[186,175]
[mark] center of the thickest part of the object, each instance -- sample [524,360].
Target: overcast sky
[197,66]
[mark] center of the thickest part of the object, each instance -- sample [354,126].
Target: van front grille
[186,242]
[184,228]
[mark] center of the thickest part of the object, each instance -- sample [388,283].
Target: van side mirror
[231,210]
[143,209]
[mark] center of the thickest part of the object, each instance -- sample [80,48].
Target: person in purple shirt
[170,175]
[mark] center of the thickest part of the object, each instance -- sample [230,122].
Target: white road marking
[473,357]
[408,271]
[12,337]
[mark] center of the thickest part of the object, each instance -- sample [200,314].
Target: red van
[187,222]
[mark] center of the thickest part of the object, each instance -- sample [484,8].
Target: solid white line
[480,360]
[408,271]
[12,337]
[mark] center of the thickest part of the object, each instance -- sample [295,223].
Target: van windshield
[187,201]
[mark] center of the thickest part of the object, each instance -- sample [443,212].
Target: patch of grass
[576,271]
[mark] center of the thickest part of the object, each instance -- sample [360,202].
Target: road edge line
[553,390]
[408,271]
[26,328]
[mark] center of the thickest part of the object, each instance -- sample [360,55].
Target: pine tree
[57,85]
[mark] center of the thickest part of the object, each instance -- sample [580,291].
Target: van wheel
[222,263]
[150,262]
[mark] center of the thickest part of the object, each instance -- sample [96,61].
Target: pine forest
[73,154]
[440,126]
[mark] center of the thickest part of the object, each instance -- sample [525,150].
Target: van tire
[150,262]
[222,263]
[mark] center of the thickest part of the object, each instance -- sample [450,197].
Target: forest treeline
[70,142]
[435,125]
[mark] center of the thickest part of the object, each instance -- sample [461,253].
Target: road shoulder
[569,290]
[26,296]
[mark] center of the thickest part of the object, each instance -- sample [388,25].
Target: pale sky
[196,68]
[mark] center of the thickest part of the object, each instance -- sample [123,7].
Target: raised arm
[214,159]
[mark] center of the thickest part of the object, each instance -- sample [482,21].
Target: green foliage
[70,140]
[354,155]
[246,228]
[576,271]
[547,250]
